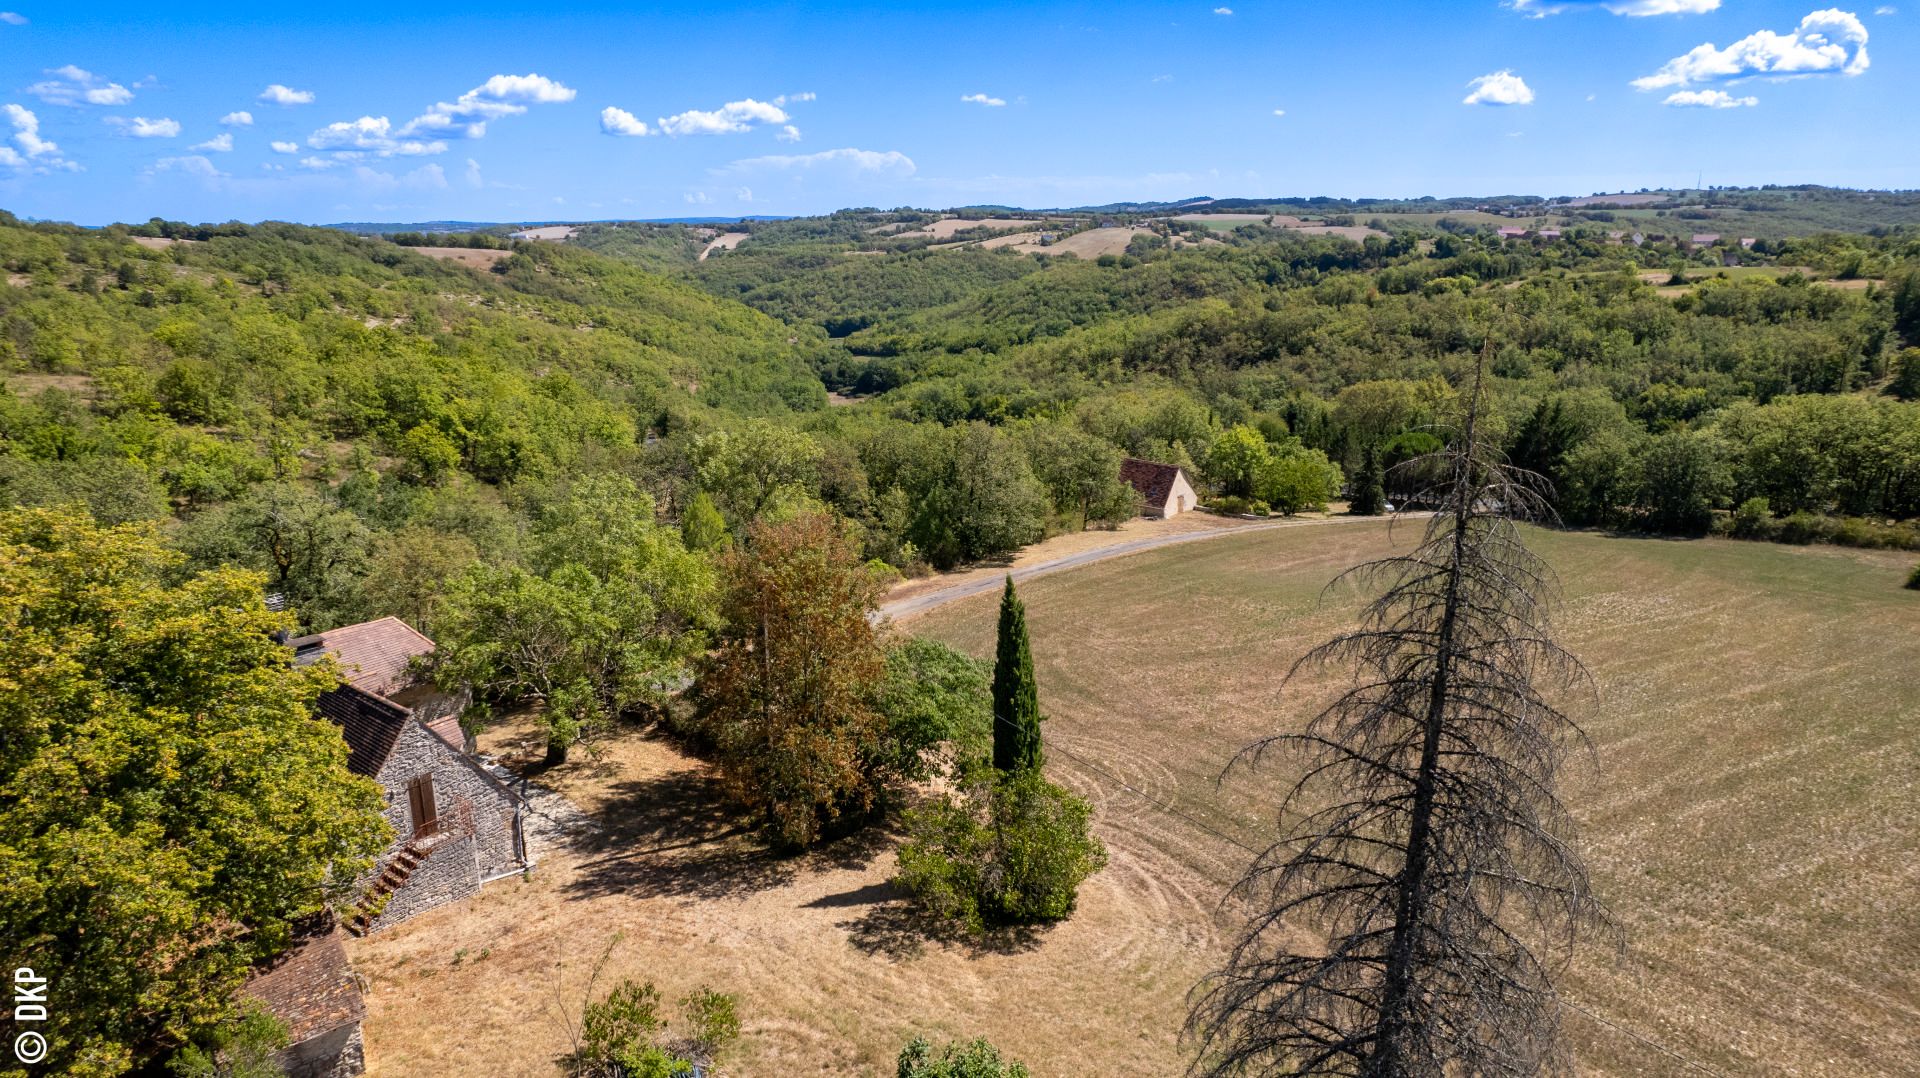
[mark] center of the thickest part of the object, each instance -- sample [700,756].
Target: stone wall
[338,1053]
[477,840]
[447,875]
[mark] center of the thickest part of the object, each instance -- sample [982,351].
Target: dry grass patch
[475,257]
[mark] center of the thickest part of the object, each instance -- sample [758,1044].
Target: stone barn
[1164,490]
[455,826]
[314,992]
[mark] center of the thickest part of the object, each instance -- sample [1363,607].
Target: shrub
[975,1059]
[622,1024]
[1753,520]
[1012,854]
[622,1034]
[1802,527]
[713,1020]
[1913,578]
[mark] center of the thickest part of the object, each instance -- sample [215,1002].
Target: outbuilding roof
[374,656]
[311,988]
[1151,478]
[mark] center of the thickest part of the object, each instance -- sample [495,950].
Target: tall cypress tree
[1016,700]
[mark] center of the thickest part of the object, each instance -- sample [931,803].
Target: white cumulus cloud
[1709,99]
[731,118]
[1499,88]
[220,143]
[285,147]
[1279,112]
[1542,8]
[195,166]
[13,18]
[29,151]
[141,127]
[983,99]
[788,133]
[77,86]
[1223,11]
[242,118]
[501,95]
[892,162]
[374,134]
[1825,43]
[277,94]
[615,121]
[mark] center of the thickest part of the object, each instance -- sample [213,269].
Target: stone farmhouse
[1164,490]
[455,826]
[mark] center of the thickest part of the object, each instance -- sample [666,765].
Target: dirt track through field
[924,601]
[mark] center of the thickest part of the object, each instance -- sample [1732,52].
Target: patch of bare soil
[724,242]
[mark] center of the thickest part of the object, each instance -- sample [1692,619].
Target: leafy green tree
[1016,697]
[1683,477]
[1906,375]
[755,467]
[427,455]
[1236,463]
[313,550]
[787,697]
[609,615]
[701,525]
[975,1059]
[1296,478]
[976,499]
[170,802]
[410,571]
[1081,474]
[934,696]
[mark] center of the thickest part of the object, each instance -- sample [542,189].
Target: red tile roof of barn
[370,724]
[374,655]
[311,988]
[1152,479]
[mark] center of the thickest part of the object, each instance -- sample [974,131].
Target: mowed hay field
[1753,825]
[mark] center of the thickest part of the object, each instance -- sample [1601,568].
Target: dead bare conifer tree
[1436,879]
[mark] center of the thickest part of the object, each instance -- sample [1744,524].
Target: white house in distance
[1164,490]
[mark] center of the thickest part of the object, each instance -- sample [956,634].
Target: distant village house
[1164,490]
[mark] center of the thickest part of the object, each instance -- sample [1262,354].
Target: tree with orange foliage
[788,695]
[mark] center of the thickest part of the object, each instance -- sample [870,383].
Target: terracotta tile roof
[370,724]
[311,988]
[1152,479]
[373,655]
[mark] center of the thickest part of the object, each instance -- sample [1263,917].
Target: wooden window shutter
[420,801]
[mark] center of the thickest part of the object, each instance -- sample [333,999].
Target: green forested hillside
[360,418]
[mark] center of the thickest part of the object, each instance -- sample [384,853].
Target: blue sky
[496,111]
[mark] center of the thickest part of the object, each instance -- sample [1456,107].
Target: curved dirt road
[927,600]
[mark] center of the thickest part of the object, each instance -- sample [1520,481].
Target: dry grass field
[1753,823]
[1092,243]
[476,257]
[947,228]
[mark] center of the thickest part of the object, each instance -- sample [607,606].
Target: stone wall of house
[477,840]
[338,1053]
[447,875]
